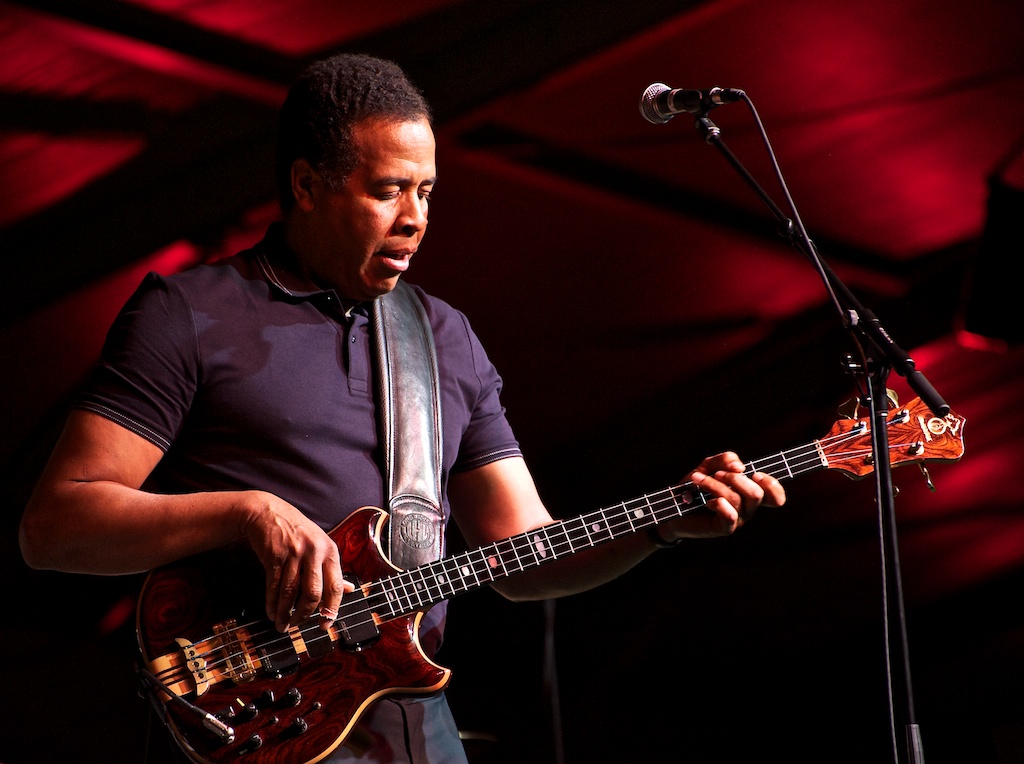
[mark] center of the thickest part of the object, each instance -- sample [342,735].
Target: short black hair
[326,101]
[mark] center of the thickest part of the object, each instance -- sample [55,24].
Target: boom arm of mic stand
[855,316]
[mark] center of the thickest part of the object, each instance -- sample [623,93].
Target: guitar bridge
[183,671]
[227,655]
[234,645]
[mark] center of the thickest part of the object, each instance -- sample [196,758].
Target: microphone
[659,104]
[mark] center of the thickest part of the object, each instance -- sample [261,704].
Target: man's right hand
[302,562]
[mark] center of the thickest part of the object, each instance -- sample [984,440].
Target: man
[236,401]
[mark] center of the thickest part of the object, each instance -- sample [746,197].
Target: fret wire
[467,566]
[568,537]
[453,578]
[585,522]
[409,589]
[580,529]
[396,595]
[412,589]
[626,514]
[376,599]
[602,528]
[549,547]
[436,579]
[500,557]
[447,580]
[532,548]
[479,567]
[419,575]
[516,542]
[650,507]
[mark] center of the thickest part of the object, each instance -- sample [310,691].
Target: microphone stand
[884,355]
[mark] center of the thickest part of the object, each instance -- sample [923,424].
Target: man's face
[365,233]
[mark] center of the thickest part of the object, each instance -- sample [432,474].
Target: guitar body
[307,688]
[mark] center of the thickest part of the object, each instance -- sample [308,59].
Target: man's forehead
[393,152]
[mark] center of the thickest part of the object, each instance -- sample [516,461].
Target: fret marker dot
[538,542]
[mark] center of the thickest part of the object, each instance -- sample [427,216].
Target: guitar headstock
[915,436]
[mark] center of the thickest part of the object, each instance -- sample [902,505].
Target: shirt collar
[279,266]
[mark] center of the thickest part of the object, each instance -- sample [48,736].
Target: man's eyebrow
[404,181]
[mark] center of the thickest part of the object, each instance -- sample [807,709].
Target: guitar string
[660,506]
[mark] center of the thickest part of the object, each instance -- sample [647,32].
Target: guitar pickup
[277,655]
[355,622]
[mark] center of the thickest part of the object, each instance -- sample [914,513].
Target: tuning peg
[927,476]
[850,409]
[894,399]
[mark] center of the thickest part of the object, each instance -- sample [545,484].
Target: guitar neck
[425,585]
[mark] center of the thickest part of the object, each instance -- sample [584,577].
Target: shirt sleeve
[146,377]
[489,436]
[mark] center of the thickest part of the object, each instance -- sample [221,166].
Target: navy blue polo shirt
[247,376]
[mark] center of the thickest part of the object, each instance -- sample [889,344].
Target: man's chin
[382,287]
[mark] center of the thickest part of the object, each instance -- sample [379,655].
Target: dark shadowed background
[642,309]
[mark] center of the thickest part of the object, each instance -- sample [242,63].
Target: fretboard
[427,584]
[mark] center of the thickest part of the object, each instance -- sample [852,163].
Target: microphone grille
[648,109]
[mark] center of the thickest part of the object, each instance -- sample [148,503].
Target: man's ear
[304,184]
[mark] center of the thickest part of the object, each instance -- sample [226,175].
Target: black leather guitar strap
[410,407]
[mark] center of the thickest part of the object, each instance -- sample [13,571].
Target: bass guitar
[232,688]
